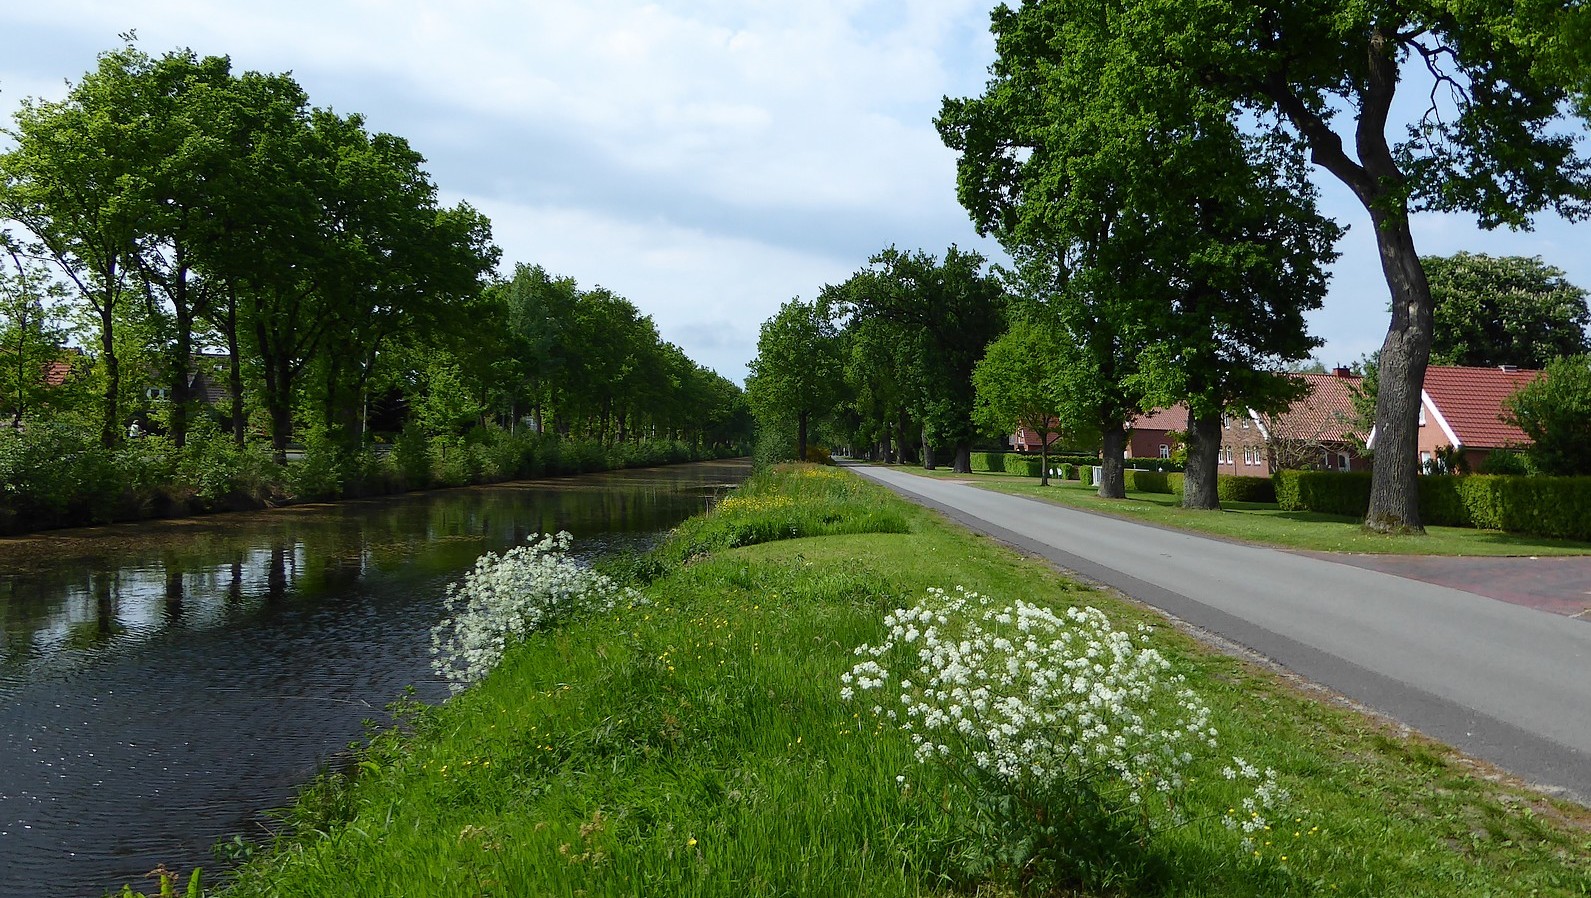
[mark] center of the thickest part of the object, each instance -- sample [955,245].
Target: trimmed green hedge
[1147,481]
[1541,506]
[1237,488]
[1027,464]
[1005,463]
[1228,487]
[1164,465]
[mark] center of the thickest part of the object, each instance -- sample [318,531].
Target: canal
[161,684]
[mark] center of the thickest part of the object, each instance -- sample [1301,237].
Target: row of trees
[169,204]
[1144,167]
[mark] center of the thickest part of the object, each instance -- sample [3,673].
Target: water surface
[161,683]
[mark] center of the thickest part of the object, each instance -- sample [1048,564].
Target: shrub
[1005,463]
[1164,465]
[1504,461]
[1147,481]
[819,455]
[1236,488]
[1345,493]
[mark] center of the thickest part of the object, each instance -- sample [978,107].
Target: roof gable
[1324,414]
[1471,400]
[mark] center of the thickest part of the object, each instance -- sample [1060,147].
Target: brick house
[1315,432]
[1461,409]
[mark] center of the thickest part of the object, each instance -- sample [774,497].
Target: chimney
[1340,371]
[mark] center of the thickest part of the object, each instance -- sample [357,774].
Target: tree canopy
[1508,310]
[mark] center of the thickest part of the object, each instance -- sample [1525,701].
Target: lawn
[698,744]
[1266,524]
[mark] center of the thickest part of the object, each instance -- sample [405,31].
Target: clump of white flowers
[506,597]
[1049,717]
[1033,698]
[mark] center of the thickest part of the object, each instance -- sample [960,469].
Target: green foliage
[1554,411]
[168,885]
[1558,507]
[1006,463]
[797,374]
[1328,492]
[1510,310]
[1504,461]
[1245,489]
[785,502]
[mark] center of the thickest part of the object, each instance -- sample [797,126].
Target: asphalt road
[1501,682]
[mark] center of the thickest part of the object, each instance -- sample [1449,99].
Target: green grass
[1266,524]
[697,746]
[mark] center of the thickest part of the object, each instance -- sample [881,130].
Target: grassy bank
[1267,524]
[696,744]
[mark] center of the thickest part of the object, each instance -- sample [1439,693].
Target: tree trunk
[110,431]
[235,370]
[182,365]
[1394,477]
[1199,484]
[801,435]
[928,451]
[1112,482]
[1044,458]
[963,462]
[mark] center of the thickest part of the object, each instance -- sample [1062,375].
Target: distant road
[1502,682]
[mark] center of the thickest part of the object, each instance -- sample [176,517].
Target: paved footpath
[1500,681]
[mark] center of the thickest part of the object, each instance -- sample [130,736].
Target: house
[1316,432]
[1027,440]
[1461,411]
[1149,434]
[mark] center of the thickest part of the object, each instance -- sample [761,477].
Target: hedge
[1165,465]
[1005,463]
[1027,464]
[1229,488]
[1541,506]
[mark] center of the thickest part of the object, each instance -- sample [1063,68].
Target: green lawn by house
[1267,524]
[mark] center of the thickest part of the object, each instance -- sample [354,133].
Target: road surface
[1502,682]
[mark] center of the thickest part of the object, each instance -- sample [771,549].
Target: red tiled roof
[1471,401]
[1173,418]
[55,373]
[1324,414]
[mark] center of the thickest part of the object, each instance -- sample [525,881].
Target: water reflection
[161,682]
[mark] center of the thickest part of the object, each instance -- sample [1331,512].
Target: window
[1165,451]
[1342,461]
[1422,414]
[1248,456]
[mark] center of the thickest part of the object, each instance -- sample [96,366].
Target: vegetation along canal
[162,683]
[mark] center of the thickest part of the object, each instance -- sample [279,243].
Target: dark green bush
[1005,463]
[1542,506]
[1503,461]
[1147,481]
[1237,488]
[1164,465]
[1345,493]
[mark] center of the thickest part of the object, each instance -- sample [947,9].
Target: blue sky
[708,160]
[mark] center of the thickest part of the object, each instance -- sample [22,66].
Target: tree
[1014,386]
[1508,310]
[797,371]
[1554,410]
[1181,253]
[945,313]
[1489,142]
[74,180]
[31,338]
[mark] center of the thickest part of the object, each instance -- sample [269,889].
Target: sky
[708,160]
